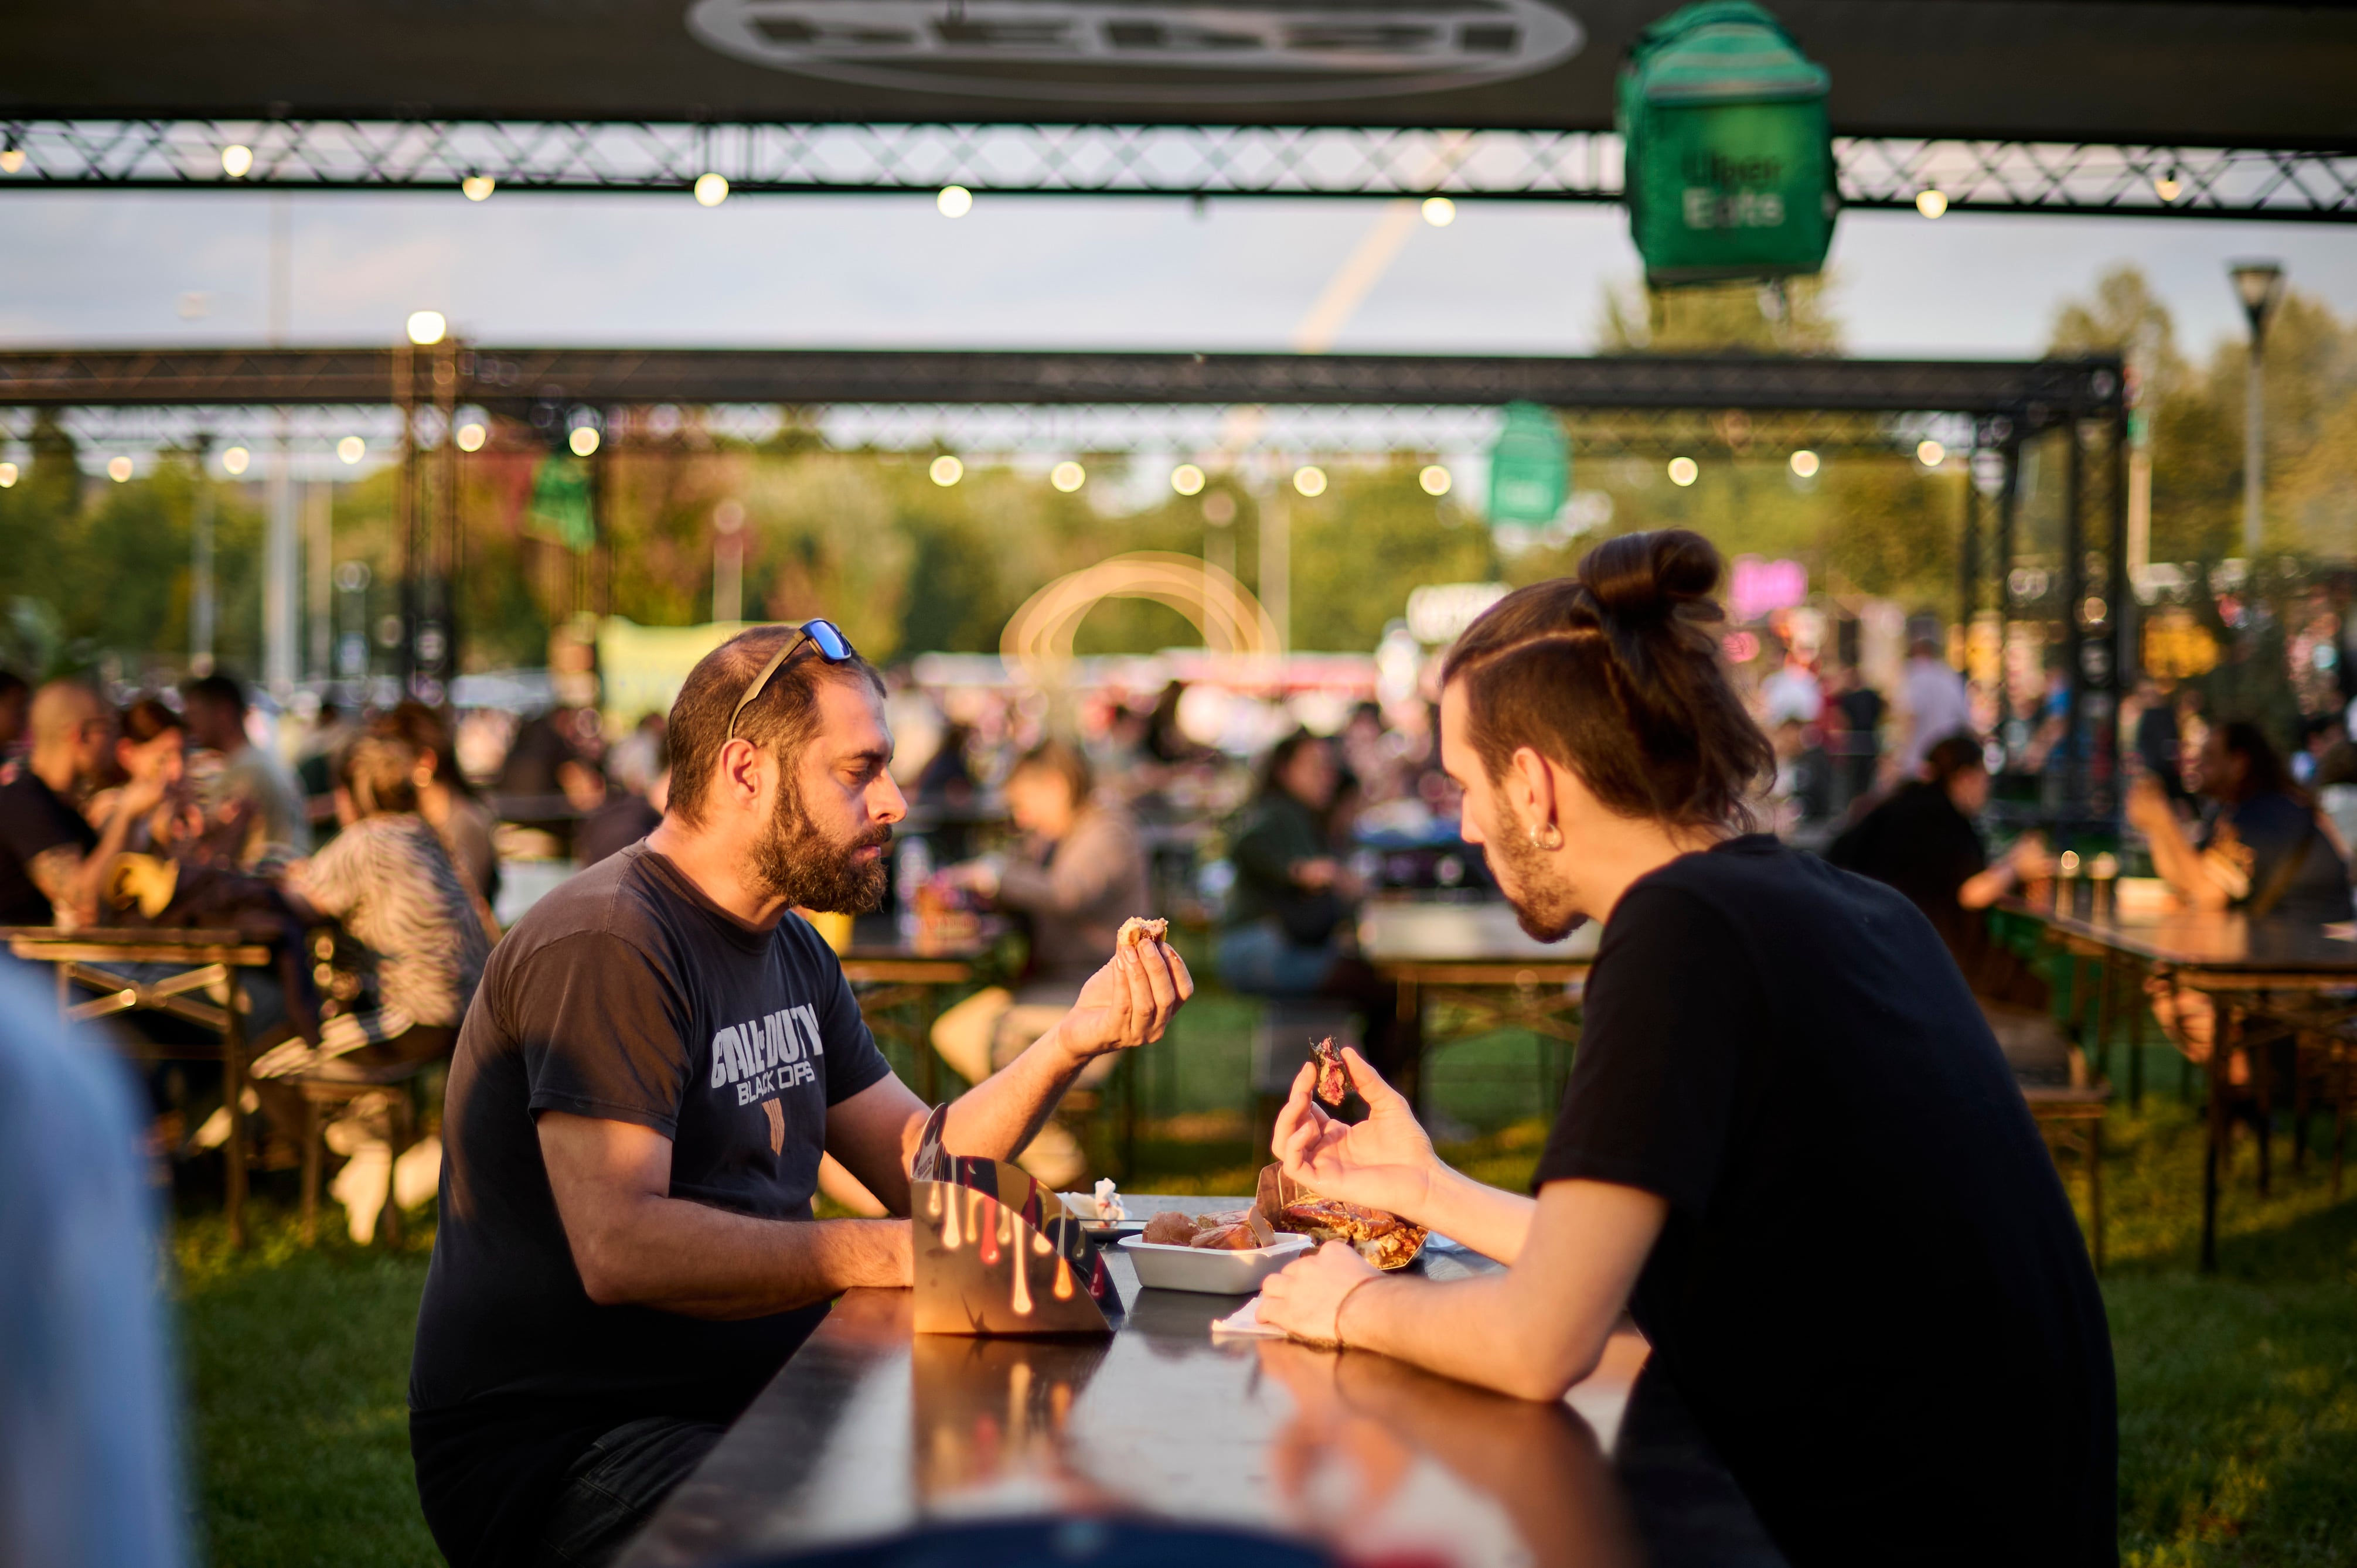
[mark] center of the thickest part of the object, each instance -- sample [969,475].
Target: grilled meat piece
[1138,929]
[1333,1078]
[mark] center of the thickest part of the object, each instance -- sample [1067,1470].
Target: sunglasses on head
[822,635]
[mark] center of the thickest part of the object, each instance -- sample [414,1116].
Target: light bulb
[946,470]
[235,460]
[1187,479]
[955,202]
[1930,454]
[711,189]
[2168,187]
[351,449]
[471,437]
[583,441]
[7,475]
[1068,476]
[1310,479]
[1806,464]
[118,468]
[1683,471]
[12,158]
[1439,212]
[426,328]
[1435,479]
[1931,203]
[237,159]
[478,186]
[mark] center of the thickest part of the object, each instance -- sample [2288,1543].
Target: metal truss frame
[1193,161]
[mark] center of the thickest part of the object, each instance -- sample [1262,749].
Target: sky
[1070,273]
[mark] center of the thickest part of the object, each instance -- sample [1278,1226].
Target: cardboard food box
[1384,1240]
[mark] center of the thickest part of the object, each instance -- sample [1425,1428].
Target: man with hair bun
[1790,1146]
[658,1057]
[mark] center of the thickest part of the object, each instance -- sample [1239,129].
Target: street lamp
[2258,284]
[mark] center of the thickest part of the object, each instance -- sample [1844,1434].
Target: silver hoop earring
[1548,838]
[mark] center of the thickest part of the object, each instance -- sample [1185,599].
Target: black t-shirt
[32,820]
[2256,839]
[1870,1287]
[625,994]
[1917,842]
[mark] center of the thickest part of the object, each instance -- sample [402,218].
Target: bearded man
[658,1057]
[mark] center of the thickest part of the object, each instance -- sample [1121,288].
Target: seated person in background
[2266,851]
[2336,794]
[51,860]
[657,1058]
[388,881]
[315,770]
[1922,841]
[1079,873]
[1288,932]
[250,789]
[152,745]
[444,798]
[634,810]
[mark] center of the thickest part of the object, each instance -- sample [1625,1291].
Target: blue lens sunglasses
[822,635]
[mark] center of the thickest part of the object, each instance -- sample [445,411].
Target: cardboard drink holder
[997,1252]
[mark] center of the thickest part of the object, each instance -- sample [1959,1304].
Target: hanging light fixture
[471,437]
[1439,212]
[235,460]
[1683,471]
[1187,479]
[237,160]
[711,189]
[118,469]
[946,470]
[1068,476]
[478,186]
[954,201]
[351,449]
[1805,465]
[1435,479]
[1932,203]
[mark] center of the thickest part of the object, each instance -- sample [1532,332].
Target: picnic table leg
[2095,1185]
[2263,1087]
[2223,1038]
[233,1094]
[2136,1037]
[927,1060]
[2107,976]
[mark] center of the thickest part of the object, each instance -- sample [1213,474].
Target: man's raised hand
[1128,1002]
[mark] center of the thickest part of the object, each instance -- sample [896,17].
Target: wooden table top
[136,944]
[2215,940]
[870,1431]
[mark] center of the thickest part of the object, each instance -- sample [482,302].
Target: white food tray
[1213,1270]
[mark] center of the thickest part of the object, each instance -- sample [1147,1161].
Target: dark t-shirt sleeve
[33,822]
[853,1063]
[608,1031]
[1653,1088]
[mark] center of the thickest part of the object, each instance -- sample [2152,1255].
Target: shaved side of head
[59,709]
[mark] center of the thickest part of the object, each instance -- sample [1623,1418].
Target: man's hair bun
[1645,576]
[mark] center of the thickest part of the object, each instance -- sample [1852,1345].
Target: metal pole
[2075,594]
[405,394]
[453,546]
[2009,492]
[2126,656]
[201,608]
[1276,561]
[1968,565]
[319,576]
[279,570]
[2254,450]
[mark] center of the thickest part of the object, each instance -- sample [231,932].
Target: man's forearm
[1491,1221]
[701,1261]
[997,1117]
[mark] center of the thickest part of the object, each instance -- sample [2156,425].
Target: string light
[946,470]
[1806,464]
[7,475]
[471,437]
[351,449]
[12,157]
[1931,203]
[1930,454]
[478,186]
[1310,479]
[1187,479]
[955,202]
[426,328]
[237,160]
[1435,479]
[1068,476]
[583,441]
[118,468]
[711,189]
[1439,212]
[234,461]
[1683,471]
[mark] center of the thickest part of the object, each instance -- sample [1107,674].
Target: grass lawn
[2238,1391]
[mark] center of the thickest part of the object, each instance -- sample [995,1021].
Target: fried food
[1236,1237]
[1238,1229]
[1383,1239]
[1333,1078]
[1137,929]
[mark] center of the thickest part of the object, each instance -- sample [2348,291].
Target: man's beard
[1543,906]
[795,860]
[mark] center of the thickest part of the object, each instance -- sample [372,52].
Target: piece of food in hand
[1170,1228]
[1138,929]
[1333,1078]
[1383,1239]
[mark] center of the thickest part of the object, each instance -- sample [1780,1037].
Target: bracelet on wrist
[1340,1342]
